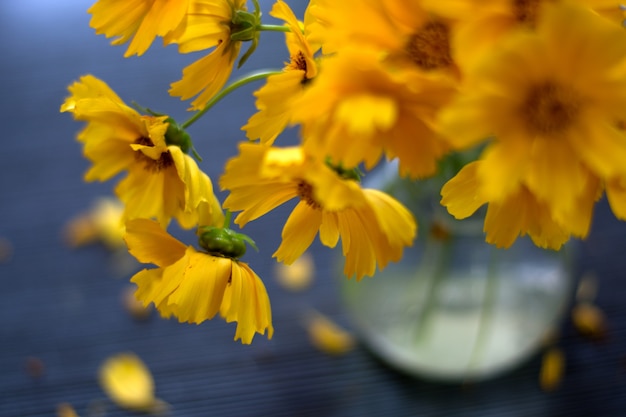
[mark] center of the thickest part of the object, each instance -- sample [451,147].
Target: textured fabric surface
[61,307]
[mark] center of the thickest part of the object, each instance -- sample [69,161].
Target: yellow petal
[552,369]
[298,276]
[149,243]
[461,194]
[298,233]
[66,410]
[364,113]
[128,382]
[616,194]
[589,320]
[328,337]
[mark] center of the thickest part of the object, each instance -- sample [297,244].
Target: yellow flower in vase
[209,24]
[141,20]
[162,181]
[554,129]
[358,110]
[195,285]
[275,99]
[374,228]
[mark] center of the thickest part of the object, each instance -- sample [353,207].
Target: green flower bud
[177,136]
[223,242]
[244,26]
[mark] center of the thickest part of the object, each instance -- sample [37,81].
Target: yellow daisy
[195,285]
[357,111]
[141,20]
[275,99]
[373,227]
[551,99]
[404,32]
[162,181]
[207,24]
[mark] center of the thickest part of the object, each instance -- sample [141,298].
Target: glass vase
[456,308]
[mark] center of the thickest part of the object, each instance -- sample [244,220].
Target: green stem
[227,216]
[273,28]
[442,256]
[246,79]
[487,311]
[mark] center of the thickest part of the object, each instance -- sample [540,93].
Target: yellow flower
[162,181]
[141,20]
[275,99]
[207,24]
[373,227]
[554,129]
[356,110]
[194,286]
[403,32]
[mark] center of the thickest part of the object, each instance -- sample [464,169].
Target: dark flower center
[429,48]
[305,192]
[153,165]
[550,108]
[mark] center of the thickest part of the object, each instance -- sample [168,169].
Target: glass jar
[455,307]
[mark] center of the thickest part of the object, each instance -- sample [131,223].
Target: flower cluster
[538,88]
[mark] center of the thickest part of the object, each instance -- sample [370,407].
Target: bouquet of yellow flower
[536,88]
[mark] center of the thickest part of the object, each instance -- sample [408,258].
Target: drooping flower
[275,99]
[141,20]
[357,111]
[162,181]
[207,24]
[194,285]
[554,129]
[374,228]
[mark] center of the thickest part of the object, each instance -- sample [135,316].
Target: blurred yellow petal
[589,320]
[552,369]
[298,276]
[102,222]
[66,410]
[328,337]
[128,382]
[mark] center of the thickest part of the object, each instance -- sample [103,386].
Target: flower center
[429,48]
[152,165]
[298,63]
[305,192]
[550,108]
[526,11]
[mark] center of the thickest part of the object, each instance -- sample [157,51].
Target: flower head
[555,130]
[404,33]
[373,227]
[207,24]
[195,285]
[162,181]
[357,110]
[141,20]
[275,99]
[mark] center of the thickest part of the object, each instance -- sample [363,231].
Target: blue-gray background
[62,306]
